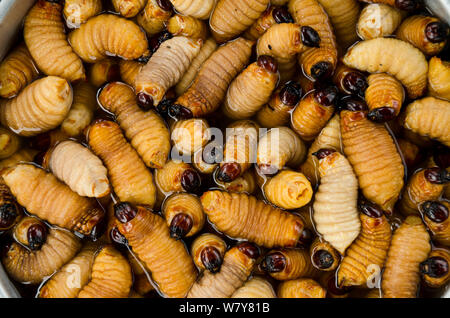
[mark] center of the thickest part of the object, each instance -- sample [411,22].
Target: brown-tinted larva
[435,269]
[324,256]
[255,287]
[208,250]
[273,15]
[436,217]
[301,288]
[439,78]
[154,15]
[103,71]
[287,264]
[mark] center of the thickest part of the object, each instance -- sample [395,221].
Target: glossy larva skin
[410,246]
[204,241]
[256,287]
[17,70]
[439,78]
[28,266]
[264,22]
[167,259]
[410,66]
[246,183]
[298,265]
[335,202]
[443,279]
[108,34]
[384,91]
[146,131]
[40,107]
[77,12]
[152,18]
[244,12]
[103,71]
[10,143]
[429,117]
[440,230]
[129,70]
[187,26]
[23,155]
[190,135]
[378,20]
[200,9]
[128,8]
[301,288]
[46,39]
[319,245]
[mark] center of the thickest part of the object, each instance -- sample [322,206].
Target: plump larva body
[129,177]
[237,266]
[166,66]
[287,264]
[410,246]
[128,8]
[40,107]
[374,156]
[320,61]
[211,83]
[9,143]
[79,168]
[232,17]
[335,202]
[200,9]
[435,270]
[23,155]
[207,251]
[153,17]
[409,66]
[64,284]
[129,70]
[103,71]
[439,78]
[301,288]
[280,147]
[288,190]
[27,266]
[366,256]
[111,276]
[256,287]
[429,117]
[77,12]
[187,26]
[169,262]
[328,138]
[273,15]
[436,217]
[243,216]
[246,183]
[324,256]
[146,131]
[108,34]
[169,178]
[82,110]
[190,135]
[46,39]
[378,20]
[17,70]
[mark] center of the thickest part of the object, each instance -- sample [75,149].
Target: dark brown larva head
[326,96]
[155,42]
[407,5]
[323,153]
[8,216]
[437,32]
[310,37]
[437,176]
[282,15]
[191,180]
[382,114]
[180,226]
[117,237]
[435,267]
[322,70]
[370,209]
[125,211]
[163,107]
[249,249]
[305,238]
[144,101]
[179,112]
[166,5]
[291,93]
[268,63]
[355,83]
[353,104]
[228,172]
[36,235]
[211,259]
[322,259]
[435,211]
[273,262]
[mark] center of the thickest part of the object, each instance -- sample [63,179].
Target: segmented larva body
[200,9]
[232,17]
[153,17]
[348,80]
[245,183]
[82,110]
[410,246]
[187,26]
[435,270]
[64,284]
[328,138]
[103,71]
[77,12]
[280,147]
[27,266]
[256,287]
[335,202]
[168,178]
[237,266]
[46,39]
[107,34]
[415,31]
[366,256]
[23,155]
[171,266]
[436,217]
[79,168]
[296,263]
[211,83]
[190,135]
[344,15]
[207,251]
[378,20]
[429,117]
[166,66]
[49,199]
[439,78]
[373,154]
[146,131]
[410,66]
[200,164]
[288,190]
[131,180]
[268,18]
[9,143]
[141,282]
[40,107]
[316,62]
[17,70]
[128,8]
[301,288]
[243,216]
[129,70]
[208,48]
[324,256]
